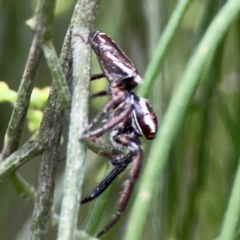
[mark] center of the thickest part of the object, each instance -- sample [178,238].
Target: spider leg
[110,124]
[120,166]
[134,146]
[105,183]
[97,76]
[109,105]
[99,94]
[122,160]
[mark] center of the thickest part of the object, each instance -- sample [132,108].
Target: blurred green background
[191,198]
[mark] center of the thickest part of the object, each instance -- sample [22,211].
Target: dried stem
[83,19]
[52,123]
[16,123]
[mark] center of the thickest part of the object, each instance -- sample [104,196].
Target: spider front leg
[100,93]
[134,146]
[104,184]
[97,76]
[110,124]
[108,106]
[120,164]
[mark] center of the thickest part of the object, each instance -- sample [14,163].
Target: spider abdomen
[144,119]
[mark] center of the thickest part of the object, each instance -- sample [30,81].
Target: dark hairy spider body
[129,118]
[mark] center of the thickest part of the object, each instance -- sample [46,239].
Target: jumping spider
[130,118]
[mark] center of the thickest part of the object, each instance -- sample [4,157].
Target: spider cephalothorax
[129,117]
[116,66]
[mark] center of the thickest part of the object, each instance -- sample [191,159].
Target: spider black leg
[134,146]
[99,94]
[120,165]
[105,183]
[97,76]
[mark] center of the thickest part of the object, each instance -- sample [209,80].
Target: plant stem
[58,77]
[22,187]
[92,221]
[173,119]
[231,219]
[16,123]
[83,19]
[19,157]
[52,123]
[156,62]
[197,184]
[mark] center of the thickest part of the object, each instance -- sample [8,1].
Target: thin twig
[83,18]
[98,146]
[19,157]
[59,80]
[51,126]
[16,123]
[23,189]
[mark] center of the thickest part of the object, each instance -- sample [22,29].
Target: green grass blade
[172,121]
[233,210]
[162,47]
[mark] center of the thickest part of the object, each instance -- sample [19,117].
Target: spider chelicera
[130,117]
